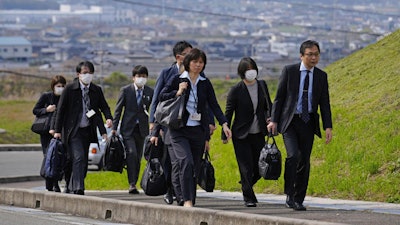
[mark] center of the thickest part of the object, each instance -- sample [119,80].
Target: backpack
[55,159]
[115,155]
[270,161]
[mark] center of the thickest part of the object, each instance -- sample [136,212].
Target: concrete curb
[20,147]
[4,180]
[137,212]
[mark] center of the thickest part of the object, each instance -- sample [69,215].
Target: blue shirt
[303,73]
[191,105]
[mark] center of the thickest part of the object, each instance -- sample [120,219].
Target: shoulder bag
[169,113]
[41,124]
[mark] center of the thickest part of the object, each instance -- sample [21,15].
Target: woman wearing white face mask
[47,104]
[136,99]
[249,100]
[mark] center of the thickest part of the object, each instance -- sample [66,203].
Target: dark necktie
[304,100]
[139,96]
[86,107]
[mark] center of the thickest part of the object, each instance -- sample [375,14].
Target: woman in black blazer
[249,100]
[188,142]
[47,105]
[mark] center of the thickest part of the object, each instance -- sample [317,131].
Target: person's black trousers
[188,144]
[298,139]
[247,153]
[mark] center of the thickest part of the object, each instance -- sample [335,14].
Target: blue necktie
[139,96]
[304,99]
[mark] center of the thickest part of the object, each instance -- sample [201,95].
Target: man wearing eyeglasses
[301,90]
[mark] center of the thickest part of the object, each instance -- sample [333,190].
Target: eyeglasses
[183,53]
[311,54]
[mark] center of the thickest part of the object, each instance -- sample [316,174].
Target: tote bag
[206,179]
[41,124]
[169,113]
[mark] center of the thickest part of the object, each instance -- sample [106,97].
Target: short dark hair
[245,64]
[308,44]
[57,79]
[87,64]
[139,69]
[194,54]
[180,46]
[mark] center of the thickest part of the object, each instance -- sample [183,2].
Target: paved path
[318,209]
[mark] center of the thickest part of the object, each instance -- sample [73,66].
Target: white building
[15,48]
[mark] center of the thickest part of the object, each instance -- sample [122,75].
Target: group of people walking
[249,116]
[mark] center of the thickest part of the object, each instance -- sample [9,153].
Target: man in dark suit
[78,114]
[136,99]
[301,85]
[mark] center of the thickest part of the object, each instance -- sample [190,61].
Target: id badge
[195,116]
[90,113]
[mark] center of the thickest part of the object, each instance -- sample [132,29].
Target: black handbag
[41,124]
[153,181]
[270,161]
[169,113]
[206,179]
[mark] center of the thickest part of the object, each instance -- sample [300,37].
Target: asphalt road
[318,209]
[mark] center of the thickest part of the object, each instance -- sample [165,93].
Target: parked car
[97,150]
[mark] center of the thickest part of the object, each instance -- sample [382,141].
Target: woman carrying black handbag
[46,105]
[249,100]
[188,142]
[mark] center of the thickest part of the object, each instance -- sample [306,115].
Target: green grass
[362,162]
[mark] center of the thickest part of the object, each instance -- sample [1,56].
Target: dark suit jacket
[46,99]
[239,102]
[284,106]
[132,112]
[162,80]
[205,95]
[69,109]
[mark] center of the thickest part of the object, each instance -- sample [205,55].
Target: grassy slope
[363,162]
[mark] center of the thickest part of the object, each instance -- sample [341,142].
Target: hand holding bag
[169,113]
[206,179]
[270,161]
[41,124]
[153,181]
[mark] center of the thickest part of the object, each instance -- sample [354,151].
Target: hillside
[364,156]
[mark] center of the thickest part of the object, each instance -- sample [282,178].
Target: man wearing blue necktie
[135,99]
[302,89]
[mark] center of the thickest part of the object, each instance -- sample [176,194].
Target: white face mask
[250,75]
[58,90]
[86,78]
[140,81]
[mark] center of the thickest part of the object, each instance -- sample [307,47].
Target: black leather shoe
[250,204]
[79,192]
[168,198]
[133,190]
[289,202]
[299,207]
[180,202]
[57,189]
